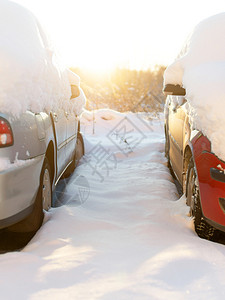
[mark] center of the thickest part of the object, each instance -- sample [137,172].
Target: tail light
[6,136]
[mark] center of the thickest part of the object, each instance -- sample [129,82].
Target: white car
[40,137]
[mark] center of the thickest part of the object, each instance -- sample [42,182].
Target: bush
[124,89]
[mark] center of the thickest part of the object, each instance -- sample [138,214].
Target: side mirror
[172,89]
[75,91]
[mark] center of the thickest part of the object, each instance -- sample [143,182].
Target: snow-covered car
[40,104]
[194,124]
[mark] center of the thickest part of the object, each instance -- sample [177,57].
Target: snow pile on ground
[200,68]
[32,76]
[123,236]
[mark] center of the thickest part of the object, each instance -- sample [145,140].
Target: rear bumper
[19,186]
[212,189]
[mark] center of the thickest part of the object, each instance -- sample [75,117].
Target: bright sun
[103,34]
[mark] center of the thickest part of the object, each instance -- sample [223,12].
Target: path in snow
[122,236]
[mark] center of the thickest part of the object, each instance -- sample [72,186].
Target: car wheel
[79,152]
[202,228]
[166,144]
[79,148]
[167,155]
[46,186]
[43,201]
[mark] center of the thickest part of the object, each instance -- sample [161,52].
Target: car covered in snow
[194,124]
[40,104]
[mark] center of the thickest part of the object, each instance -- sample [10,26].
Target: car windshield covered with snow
[40,104]
[194,123]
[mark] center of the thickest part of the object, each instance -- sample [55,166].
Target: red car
[199,171]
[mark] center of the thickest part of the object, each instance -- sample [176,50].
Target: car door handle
[174,109]
[55,117]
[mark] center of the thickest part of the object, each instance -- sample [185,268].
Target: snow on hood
[32,76]
[200,69]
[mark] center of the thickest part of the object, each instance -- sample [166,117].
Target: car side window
[177,101]
[183,101]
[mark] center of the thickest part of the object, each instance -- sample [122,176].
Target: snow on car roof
[200,69]
[32,76]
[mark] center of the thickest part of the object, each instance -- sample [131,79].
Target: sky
[102,34]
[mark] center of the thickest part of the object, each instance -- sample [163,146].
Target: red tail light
[6,136]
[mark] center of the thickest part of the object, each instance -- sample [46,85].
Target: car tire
[166,144]
[79,152]
[167,155]
[46,186]
[202,228]
[42,202]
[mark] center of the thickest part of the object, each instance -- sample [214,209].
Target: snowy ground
[123,233]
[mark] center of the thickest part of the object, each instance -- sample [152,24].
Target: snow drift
[128,239]
[32,76]
[200,69]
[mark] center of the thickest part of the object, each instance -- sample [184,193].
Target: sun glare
[101,35]
[96,59]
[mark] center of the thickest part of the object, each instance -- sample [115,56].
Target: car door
[72,119]
[60,123]
[176,129]
[72,125]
